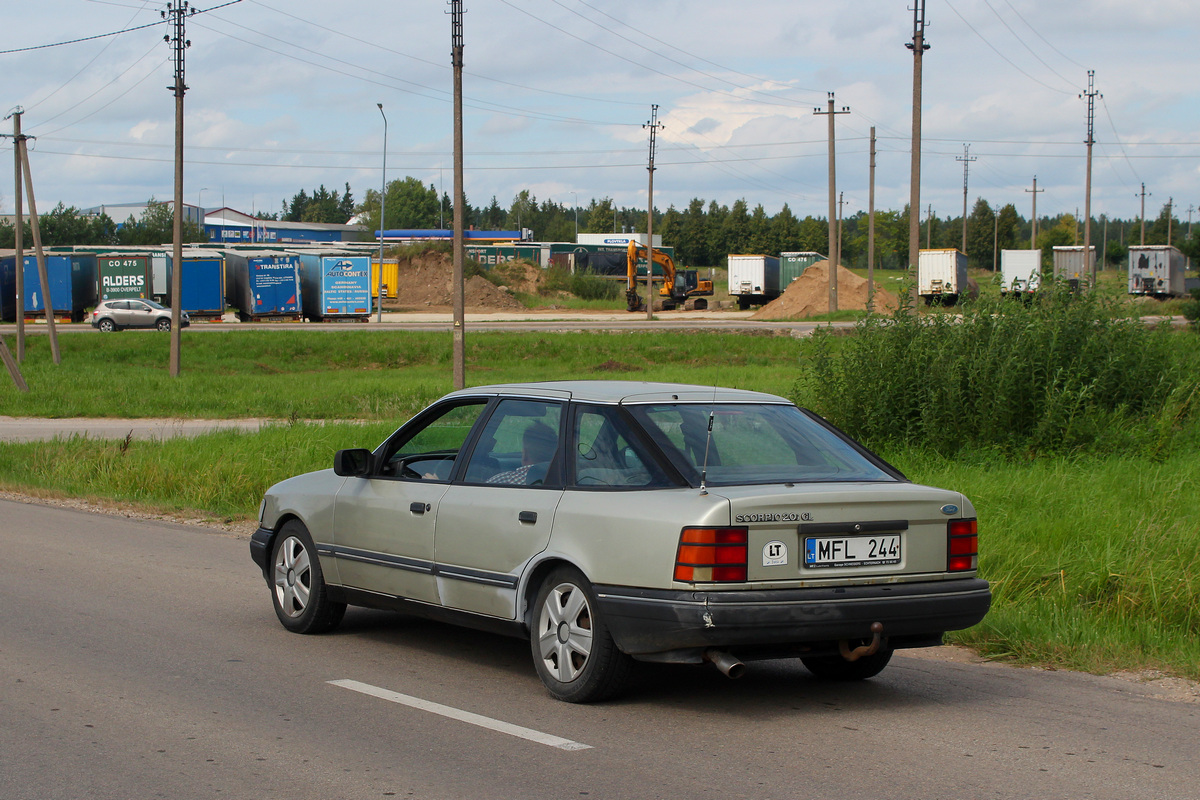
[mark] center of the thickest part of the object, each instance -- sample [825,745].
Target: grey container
[1157,270]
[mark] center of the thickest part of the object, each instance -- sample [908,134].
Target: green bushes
[1064,373]
[584,284]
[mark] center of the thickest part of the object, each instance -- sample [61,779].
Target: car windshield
[753,443]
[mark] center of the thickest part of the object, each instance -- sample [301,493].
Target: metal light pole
[382,227]
[199,197]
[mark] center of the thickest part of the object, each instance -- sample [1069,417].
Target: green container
[792,266]
[123,277]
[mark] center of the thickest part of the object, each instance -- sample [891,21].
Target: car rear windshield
[753,443]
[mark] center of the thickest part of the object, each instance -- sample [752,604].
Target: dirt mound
[809,295]
[426,280]
[479,292]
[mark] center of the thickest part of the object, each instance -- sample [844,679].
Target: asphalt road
[142,659]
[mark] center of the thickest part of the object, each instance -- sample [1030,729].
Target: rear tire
[574,654]
[298,590]
[106,326]
[836,668]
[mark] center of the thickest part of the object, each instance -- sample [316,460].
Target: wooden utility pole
[966,158]
[928,228]
[995,239]
[841,203]
[1091,94]
[1143,194]
[918,47]
[834,253]
[456,59]
[1033,232]
[18,235]
[871,229]
[178,13]
[654,125]
[1170,217]
[35,229]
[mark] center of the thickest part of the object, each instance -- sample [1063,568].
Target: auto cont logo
[345,269]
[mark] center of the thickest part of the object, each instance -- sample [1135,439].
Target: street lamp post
[575,202]
[382,227]
[199,195]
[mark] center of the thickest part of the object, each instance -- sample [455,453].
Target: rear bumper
[645,621]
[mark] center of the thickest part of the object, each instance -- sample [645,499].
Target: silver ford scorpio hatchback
[614,521]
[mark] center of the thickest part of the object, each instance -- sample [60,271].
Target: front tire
[298,590]
[574,654]
[836,668]
[163,324]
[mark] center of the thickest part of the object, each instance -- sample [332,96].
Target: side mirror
[352,463]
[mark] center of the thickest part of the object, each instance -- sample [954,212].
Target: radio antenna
[707,442]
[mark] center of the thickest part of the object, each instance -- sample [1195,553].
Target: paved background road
[142,659]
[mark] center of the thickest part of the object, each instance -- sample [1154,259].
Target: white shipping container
[1156,270]
[754,278]
[617,239]
[941,273]
[1020,271]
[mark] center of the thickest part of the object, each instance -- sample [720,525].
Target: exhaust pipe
[729,666]
[862,650]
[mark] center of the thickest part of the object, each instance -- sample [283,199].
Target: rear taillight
[711,555]
[962,545]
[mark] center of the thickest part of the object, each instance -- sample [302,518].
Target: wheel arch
[533,582]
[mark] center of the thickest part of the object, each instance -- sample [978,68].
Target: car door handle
[527,516]
[419,508]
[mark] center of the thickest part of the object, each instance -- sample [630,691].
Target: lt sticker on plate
[774,554]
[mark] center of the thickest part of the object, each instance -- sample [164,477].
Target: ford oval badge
[949,509]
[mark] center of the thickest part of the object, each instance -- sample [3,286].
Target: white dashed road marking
[462,716]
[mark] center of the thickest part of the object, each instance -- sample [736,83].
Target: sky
[282,96]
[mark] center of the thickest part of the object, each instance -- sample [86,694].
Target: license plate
[851,551]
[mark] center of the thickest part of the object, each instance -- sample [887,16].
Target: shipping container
[263,284]
[1020,271]
[8,286]
[72,285]
[1157,270]
[1072,266]
[941,275]
[391,277]
[335,286]
[123,276]
[753,279]
[202,283]
[616,239]
[792,266]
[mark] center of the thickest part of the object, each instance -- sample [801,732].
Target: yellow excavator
[678,286]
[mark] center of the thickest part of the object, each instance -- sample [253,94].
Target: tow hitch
[863,650]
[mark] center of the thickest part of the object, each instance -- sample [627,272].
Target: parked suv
[113,315]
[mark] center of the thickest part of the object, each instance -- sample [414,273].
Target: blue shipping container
[72,285]
[335,285]
[263,284]
[202,284]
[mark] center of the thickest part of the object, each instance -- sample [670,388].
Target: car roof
[622,392]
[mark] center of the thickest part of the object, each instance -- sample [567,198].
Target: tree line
[703,233]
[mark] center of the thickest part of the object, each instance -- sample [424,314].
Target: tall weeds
[1065,373]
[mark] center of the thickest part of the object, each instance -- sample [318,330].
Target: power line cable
[1002,56]
[418,59]
[93,60]
[1066,80]
[1043,38]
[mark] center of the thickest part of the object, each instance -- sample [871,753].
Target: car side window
[120,305]
[607,454]
[517,446]
[430,451]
